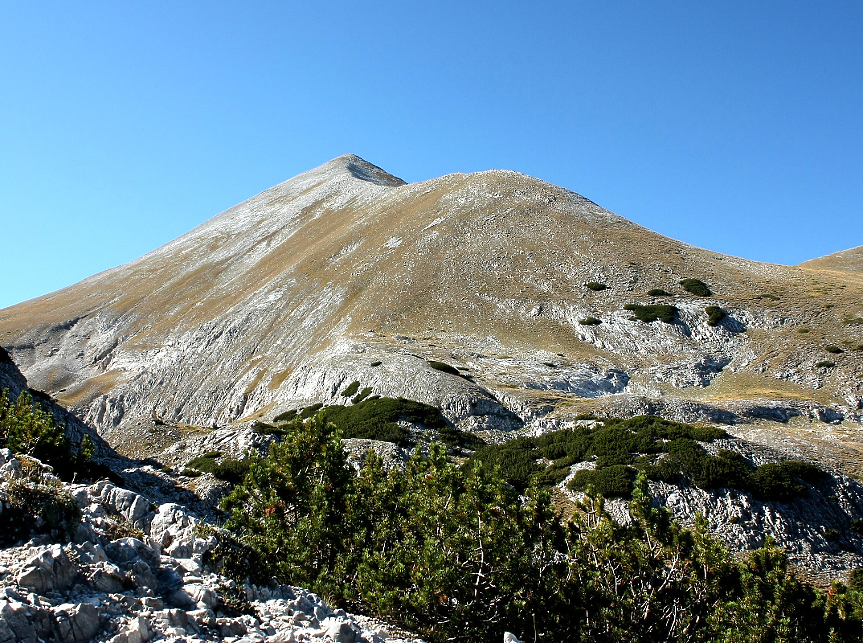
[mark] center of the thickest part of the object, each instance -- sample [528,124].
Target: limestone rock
[50,569]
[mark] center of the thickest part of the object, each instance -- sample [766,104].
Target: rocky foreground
[134,572]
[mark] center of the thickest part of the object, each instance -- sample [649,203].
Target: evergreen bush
[696,287]
[444,368]
[455,554]
[25,428]
[714,315]
[652,312]
[351,389]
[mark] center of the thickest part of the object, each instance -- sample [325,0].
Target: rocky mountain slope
[345,273]
[509,304]
[135,571]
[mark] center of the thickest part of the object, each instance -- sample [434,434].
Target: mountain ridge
[283,299]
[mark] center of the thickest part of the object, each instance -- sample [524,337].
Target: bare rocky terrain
[346,274]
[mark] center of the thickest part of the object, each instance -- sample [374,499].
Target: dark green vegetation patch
[378,419]
[444,368]
[229,469]
[825,363]
[662,450]
[359,397]
[830,348]
[26,428]
[455,554]
[714,315]
[652,312]
[595,286]
[590,321]
[352,388]
[696,287]
[658,292]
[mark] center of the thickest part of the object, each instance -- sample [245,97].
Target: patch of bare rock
[135,572]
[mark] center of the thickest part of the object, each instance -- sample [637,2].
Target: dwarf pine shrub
[444,367]
[595,286]
[652,312]
[696,287]
[456,554]
[351,389]
[714,315]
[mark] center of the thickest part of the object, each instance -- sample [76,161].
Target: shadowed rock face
[289,297]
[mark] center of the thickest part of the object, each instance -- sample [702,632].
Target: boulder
[137,630]
[340,630]
[77,623]
[129,550]
[106,577]
[49,569]
[133,507]
[15,625]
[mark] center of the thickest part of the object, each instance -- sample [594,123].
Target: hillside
[286,298]
[846,261]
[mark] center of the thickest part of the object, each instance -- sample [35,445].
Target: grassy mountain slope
[292,295]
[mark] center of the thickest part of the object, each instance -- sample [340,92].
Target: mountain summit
[540,298]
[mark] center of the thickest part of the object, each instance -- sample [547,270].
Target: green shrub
[855,580]
[444,368]
[658,292]
[25,428]
[803,330]
[287,416]
[852,321]
[825,363]
[456,438]
[769,295]
[454,554]
[359,397]
[831,534]
[696,287]
[610,482]
[231,470]
[374,364]
[595,286]
[590,321]
[351,389]
[35,505]
[515,459]
[783,481]
[377,419]
[830,348]
[202,464]
[857,526]
[615,443]
[652,312]
[714,315]
[309,411]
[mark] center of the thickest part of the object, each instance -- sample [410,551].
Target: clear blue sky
[735,126]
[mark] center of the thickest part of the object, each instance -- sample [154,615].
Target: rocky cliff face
[283,299]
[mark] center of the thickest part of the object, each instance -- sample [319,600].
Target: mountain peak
[361,169]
